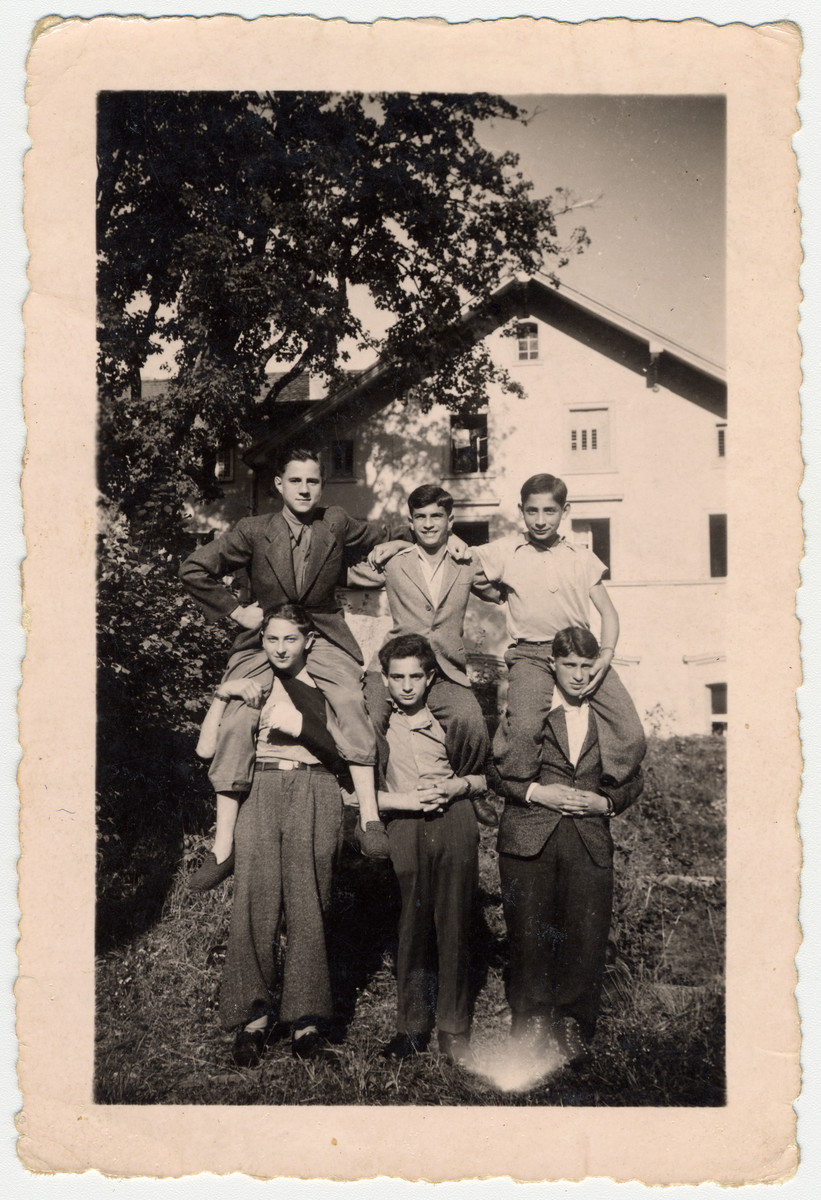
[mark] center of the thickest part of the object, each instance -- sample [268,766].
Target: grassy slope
[660,1040]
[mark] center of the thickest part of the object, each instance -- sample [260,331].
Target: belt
[289,764]
[528,642]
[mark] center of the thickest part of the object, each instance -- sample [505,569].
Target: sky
[655,167]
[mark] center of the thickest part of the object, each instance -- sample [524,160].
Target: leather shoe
[373,840]
[570,1043]
[248,1047]
[456,1048]
[404,1045]
[211,872]
[311,1047]
[485,810]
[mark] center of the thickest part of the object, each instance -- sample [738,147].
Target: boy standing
[433,839]
[428,594]
[549,584]
[287,835]
[296,556]
[556,864]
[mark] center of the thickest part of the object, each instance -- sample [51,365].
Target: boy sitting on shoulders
[549,584]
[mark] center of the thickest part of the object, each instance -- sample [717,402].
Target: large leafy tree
[237,228]
[234,229]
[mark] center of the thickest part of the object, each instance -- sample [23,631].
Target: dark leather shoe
[405,1045]
[485,810]
[373,840]
[311,1047]
[248,1047]
[211,872]
[456,1048]
[569,1041]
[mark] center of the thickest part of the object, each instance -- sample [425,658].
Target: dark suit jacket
[524,828]
[262,545]
[413,610]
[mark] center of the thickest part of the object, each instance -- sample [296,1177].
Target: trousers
[285,843]
[557,908]
[436,862]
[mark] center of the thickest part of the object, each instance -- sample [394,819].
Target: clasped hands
[570,802]
[426,798]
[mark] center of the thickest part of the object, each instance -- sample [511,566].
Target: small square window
[342,459]
[528,338]
[224,466]
[468,445]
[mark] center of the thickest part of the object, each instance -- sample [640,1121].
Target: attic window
[528,338]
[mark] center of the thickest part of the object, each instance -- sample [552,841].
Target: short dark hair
[550,485]
[430,493]
[298,453]
[408,645]
[574,640]
[289,612]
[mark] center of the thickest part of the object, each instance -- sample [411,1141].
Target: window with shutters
[588,439]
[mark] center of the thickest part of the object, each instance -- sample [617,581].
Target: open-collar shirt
[547,588]
[432,572]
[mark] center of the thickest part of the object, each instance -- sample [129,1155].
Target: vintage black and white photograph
[412,694]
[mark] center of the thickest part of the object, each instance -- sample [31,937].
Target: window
[594,533]
[718,545]
[224,466]
[721,441]
[528,339]
[468,445]
[342,459]
[588,439]
[472,533]
[718,707]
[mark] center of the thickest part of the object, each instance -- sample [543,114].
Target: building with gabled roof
[633,422]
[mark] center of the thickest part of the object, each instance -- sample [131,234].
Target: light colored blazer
[413,610]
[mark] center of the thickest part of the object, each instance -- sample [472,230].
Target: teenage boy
[287,835]
[549,584]
[296,556]
[556,864]
[433,839]
[428,594]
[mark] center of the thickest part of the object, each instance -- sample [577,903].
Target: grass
[660,1039]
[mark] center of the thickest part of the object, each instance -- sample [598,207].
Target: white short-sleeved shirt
[547,589]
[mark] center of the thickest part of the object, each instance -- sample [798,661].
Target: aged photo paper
[749,1138]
